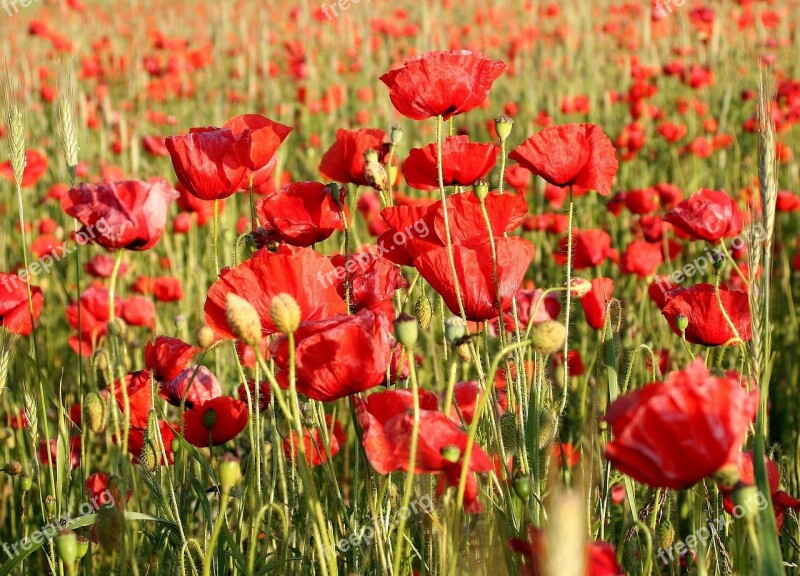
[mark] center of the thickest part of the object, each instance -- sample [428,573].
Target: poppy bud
[285,313]
[396,134]
[665,535]
[481,189]
[337,193]
[175,445]
[747,498]
[66,543]
[94,411]
[681,322]
[451,453]
[727,476]
[25,483]
[508,431]
[204,336]
[423,309]
[547,427]
[230,472]
[149,458]
[83,546]
[454,329]
[549,336]
[116,328]
[406,330]
[503,125]
[579,287]
[718,262]
[243,320]
[522,487]
[250,243]
[464,352]
[108,527]
[13,468]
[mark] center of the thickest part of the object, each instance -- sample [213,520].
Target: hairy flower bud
[423,310]
[204,336]
[243,320]
[94,412]
[549,336]
[285,313]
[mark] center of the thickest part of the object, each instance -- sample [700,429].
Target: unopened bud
[94,412]
[665,535]
[230,472]
[285,313]
[423,309]
[204,336]
[13,468]
[243,320]
[579,287]
[549,337]
[406,330]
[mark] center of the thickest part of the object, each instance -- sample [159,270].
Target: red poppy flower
[196,383]
[673,434]
[338,356]
[74,452]
[570,154]
[707,215]
[300,214]
[301,273]
[210,162]
[641,258]
[167,289]
[219,420]
[139,311]
[203,208]
[707,325]
[129,214]
[344,160]
[167,357]
[466,396]
[140,397]
[527,300]
[442,83]
[93,318]
[15,313]
[264,393]
[373,279]
[314,444]
[595,301]
[136,443]
[601,557]
[387,420]
[463,163]
[35,167]
[781,501]
[590,248]
[102,265]
[265,137]
[419,232]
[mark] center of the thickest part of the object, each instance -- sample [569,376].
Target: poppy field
[430,288]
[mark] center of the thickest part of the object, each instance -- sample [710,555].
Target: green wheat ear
[66,121]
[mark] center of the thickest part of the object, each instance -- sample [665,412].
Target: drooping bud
[285,313]
[116,328]
[481,189]
[549,336]
[94,412]
[230,472]
[423,309]
[243,320]
[204,336]
[454,329]
[108,527]
[579,287]
[406,330]
[503,125]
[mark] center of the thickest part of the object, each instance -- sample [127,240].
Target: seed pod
[13,468]
[374,172]
[109,527]
[454,329]
[66,544]
[503,125]
[522,487]
[406,330]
